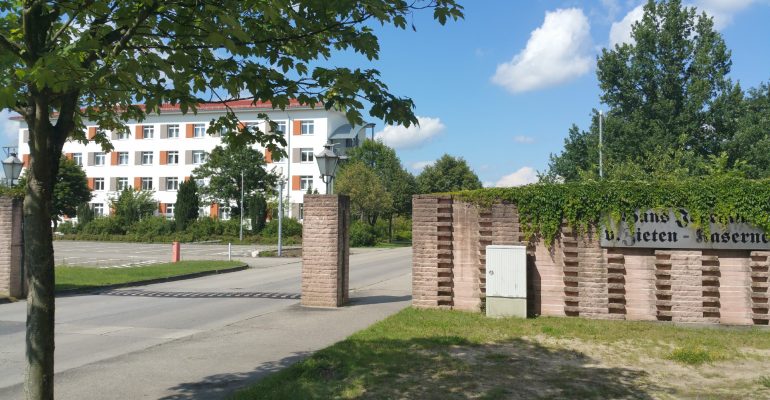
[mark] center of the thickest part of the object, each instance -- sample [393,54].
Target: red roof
[216,106]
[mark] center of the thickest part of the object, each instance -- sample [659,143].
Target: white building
[164,149]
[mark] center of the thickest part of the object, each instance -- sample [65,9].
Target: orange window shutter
[295,185]
[241,126]
[163,157]
[138,183]
[268,156]
[91,132]
[69,156]
[189,131]
[91,183]
[114,158]
[214,211]
[297,127]
[162,207]
[25,160]
[139,132]
[187,179]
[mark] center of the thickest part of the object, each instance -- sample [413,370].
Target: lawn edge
[70,292]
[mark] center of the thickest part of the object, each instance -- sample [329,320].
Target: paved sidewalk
[212,363]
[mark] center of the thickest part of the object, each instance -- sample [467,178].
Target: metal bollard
[229,251]
[175,252]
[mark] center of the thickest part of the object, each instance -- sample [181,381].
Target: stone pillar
[325,251]
[11,280]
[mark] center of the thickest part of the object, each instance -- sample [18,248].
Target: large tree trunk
[45,151]
[38,260]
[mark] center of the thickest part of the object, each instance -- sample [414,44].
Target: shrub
[67,228]
[151,227]
[362,234]
[291,227]
[104,226]
[203,228]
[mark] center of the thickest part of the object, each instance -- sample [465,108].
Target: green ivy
[16,191]
[542,207]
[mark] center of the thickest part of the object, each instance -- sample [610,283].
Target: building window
[172,184]
[280,127]
[172,158]
[98,183]
[199,130]
[78,158]
[122,135]
[99,158]
[306,182]
[146,183]
[123,158]
[200,182]
[146,158]
[170,209]
[198,157]
[173,131]
[301,215]
[306,155]
[98,209]
[122,183]
[148,131]
[306,127]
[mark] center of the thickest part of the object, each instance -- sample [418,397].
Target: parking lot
[117,255]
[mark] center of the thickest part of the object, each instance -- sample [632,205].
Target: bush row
[159,229]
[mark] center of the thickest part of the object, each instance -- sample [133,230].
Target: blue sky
[502,87]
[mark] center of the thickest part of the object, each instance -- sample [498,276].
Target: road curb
[71,292]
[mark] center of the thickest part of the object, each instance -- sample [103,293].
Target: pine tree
[187,204]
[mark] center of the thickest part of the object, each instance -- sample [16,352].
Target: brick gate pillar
[11,280]
[325,250]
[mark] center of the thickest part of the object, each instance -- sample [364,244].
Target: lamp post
[281,182]
[327,164]
[12,168]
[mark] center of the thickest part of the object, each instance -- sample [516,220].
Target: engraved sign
[663,230]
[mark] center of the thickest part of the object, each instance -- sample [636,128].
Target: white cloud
[523,139]
[418,166]
[723,11]
[9,130]
[558,51]
[522,176]
[401,137]
[620,32]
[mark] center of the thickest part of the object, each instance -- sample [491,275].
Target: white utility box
[506,281]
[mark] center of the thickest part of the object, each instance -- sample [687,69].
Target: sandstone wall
[11,248]
[325,251]
[576,276]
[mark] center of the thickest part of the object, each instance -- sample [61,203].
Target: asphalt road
[199,338]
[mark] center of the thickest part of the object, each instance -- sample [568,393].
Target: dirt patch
[544,367]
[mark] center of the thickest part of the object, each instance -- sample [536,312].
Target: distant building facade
[163,150]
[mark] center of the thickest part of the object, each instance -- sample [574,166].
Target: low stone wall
[576,276]
[11,248]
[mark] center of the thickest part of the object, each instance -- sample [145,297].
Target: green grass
[68,278]
[436,354]
[764,381]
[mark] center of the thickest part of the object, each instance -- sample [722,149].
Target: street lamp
[327,164]
[281,183]
[12,168]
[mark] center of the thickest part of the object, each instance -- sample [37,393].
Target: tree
[368,195]
[399,183]
[70,190]
[85,215]
[187,204]
[66,62]
[130,206]
[447,174]
[751,144]
[257,208]
[666,89]
[223,169]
